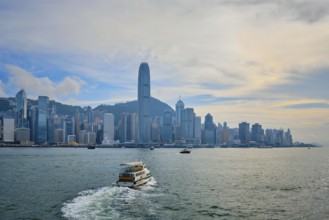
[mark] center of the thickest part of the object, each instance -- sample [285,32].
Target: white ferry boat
[133,174]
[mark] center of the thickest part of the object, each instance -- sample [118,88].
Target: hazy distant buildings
[144,119]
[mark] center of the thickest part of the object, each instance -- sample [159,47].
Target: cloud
[35,86]
[308,105]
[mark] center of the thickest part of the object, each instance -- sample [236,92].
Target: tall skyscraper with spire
[144,94]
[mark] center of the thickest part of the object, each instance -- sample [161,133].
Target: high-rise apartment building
[144,94]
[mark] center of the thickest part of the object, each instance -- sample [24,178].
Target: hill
[156,108]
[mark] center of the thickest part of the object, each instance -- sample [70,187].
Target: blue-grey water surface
[218,183]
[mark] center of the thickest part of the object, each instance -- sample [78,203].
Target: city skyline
[239,60]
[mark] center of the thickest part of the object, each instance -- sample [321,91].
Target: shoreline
[147,147]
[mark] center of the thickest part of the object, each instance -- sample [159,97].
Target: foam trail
[92,204]
[111,203]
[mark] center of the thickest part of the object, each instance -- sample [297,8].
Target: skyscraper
[209,130]
[244,133]
[108,137]
[188,125]
[257,133]
[179,108]
[167,126]
[43,102]
[144,119]
[21,109]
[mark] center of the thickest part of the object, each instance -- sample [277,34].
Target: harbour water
[217,183]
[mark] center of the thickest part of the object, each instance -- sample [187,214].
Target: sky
[257,61]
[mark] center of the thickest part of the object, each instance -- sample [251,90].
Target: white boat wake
[112,203]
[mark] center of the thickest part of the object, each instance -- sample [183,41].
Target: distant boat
[185,151]
[133,174]
[151,148]
[91,147]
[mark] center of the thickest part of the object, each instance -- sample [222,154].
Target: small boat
[133,174]
[91,147]
[185,151]
[151,148]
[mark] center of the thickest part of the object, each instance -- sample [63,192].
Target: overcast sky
[239,60]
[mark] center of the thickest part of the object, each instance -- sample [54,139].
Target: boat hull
[134,184]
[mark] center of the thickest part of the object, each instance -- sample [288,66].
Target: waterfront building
[177,133]
[59,136]
[77,119]
[188,125]
[21,110]
[50,130]
[43,103]
[124,125]
[71,139]
[167,127]
[289,141]
[82,134]
[33,122]
[155,131]
[22,135]
[209,130]
[144,94]
[197,130]
[108,130]
[8,130]
[244,132]
[68,127]
[134,127]
[179,108]
[90,138]
[257,133]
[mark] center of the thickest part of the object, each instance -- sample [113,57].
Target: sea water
[214,183]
